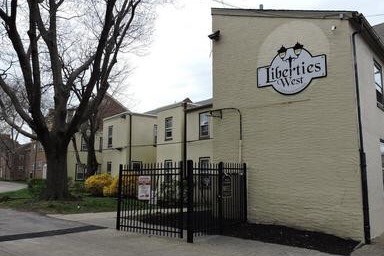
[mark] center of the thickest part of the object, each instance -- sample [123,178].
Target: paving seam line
[50,233]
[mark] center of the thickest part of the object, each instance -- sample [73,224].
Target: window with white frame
[109,167]
[136,165]
[154,134]
[168,170]
[205,179]
[168,128]
[83,144]
[101,144]
[378,76]
[80,172]
[110,135]
[204,125]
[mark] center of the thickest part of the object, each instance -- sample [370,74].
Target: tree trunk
[92,163]
[57,179]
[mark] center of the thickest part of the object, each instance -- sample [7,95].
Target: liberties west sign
[292,70]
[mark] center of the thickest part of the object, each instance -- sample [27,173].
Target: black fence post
[245,192]
[220,197]
[190,201]
[181,198]
[119,197]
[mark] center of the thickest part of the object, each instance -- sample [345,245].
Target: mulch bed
[271,234]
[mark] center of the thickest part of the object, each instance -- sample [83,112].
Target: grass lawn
[22,200]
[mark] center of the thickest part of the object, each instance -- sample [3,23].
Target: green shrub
[96,183]
[36,187]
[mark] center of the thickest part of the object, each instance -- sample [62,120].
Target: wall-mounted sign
[144,188]
[292,70]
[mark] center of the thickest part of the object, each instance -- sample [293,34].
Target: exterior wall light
[215,36]
[297,48]
[282,52]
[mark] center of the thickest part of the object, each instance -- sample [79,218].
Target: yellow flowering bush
[129,187]
[111,190]
[96,183]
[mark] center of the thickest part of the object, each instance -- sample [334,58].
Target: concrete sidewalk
[108,219]
[374,249]
[117,243]
[6,186]
[112,242]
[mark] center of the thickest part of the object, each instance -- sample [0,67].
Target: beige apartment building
[309,88]
[184,128]
[77,158]
[128,138]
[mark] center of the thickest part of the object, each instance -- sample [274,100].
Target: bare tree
[63,52]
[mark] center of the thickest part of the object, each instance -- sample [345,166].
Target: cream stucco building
[128,138]
[184,130]
[308,86]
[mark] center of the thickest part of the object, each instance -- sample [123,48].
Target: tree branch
[13,124]
[16,103]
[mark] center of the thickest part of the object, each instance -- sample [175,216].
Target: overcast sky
[178,62]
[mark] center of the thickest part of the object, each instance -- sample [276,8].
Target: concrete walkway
[116,243]
[6,186]
[374,249]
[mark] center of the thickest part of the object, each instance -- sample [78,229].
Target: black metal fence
[168,199]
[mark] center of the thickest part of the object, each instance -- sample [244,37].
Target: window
[110,134]
[80,172]
[40,147]
[39,165]
[168,128]
[204,125]
[101,144]
[109,167]
[136,165]
[83,144]
[378,83]
[168,170]
[205,179]
[154,134]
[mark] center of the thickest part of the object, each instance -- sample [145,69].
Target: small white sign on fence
[144,188]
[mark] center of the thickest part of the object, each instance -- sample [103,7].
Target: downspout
[130,140]
[363,162]
[185,104]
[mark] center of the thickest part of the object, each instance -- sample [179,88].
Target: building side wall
[83,155]
[197,147]
[118,153]
[170,149]
[372,124]
[301,150]
[143,144]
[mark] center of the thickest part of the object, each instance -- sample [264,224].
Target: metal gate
[173,199]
